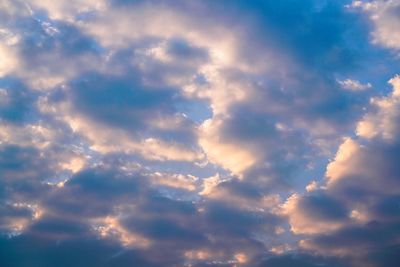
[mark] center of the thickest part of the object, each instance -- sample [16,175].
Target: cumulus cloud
[385,121]
[353,215]
[197,133]
[120,209]
[314,214]
[385,17]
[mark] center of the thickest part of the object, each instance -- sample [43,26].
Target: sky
[188,133]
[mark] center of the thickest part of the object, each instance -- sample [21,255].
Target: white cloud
[108,140]
[302,221]
[384,121]
[385,16]
[180,181]
[67,9]
[9,59]
[338,168]
[110,227]
[209,184]
[354,85]
[231,156]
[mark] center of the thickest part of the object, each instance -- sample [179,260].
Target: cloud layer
[212,133]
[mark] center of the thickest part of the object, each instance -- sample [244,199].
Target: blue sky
[199,133]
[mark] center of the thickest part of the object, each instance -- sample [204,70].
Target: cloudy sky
[194,133]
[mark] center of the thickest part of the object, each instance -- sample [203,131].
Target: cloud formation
[212,133]
[353,215]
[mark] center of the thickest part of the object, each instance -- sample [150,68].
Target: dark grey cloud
[374,243]
[22,171]
[120,101]
[72,214]
[302,260]
[93,193]
[322,207]
[33,250]
[17,103]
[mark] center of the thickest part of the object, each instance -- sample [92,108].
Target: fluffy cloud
[9,61]
[353,215]
[385,16]
[385,121]
[184,134]
[120,209]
